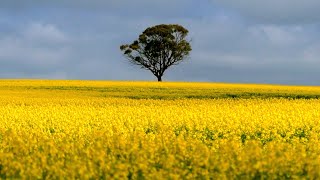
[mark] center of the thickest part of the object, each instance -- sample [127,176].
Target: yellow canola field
[51,133]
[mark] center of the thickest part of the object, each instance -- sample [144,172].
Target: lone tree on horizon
[158,48]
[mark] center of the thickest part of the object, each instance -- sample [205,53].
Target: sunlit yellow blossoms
[136,130]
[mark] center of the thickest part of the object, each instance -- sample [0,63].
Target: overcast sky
[252,41]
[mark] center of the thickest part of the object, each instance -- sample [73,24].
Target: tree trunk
[159,78]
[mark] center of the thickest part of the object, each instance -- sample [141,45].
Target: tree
[158,48]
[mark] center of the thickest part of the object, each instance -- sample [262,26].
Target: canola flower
[101,130]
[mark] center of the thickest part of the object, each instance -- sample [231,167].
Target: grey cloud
[36,49]
[126,8]
[275,11]
[233,52]
[44,32]
[223,50]
[76,44]
[80,3]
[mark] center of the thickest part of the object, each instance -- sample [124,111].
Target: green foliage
[158,48]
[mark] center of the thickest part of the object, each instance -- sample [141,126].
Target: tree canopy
[158,48]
